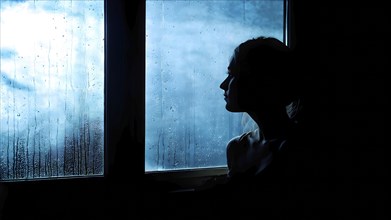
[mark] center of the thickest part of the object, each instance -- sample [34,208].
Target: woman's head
[261,77]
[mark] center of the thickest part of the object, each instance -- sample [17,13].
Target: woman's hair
[267,59]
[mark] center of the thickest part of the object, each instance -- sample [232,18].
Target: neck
[272,126]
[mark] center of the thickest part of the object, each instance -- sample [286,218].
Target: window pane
[188,47]
[51,89]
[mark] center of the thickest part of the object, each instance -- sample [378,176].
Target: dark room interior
[346,52]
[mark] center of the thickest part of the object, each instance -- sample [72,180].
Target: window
[188,46]
[51,89]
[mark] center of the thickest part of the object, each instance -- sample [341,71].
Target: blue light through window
[51,89]
[188,46]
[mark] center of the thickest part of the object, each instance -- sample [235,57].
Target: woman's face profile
[241,96]
[230,87]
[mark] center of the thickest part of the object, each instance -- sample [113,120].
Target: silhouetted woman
[269,163]
[261,82]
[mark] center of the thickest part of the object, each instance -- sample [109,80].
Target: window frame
[194,179]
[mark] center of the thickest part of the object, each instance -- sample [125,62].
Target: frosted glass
[51,89]
[188,47]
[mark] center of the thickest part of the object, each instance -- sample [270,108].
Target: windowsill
[188,179]
[53,179]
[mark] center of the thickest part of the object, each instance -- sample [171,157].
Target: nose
[224,84]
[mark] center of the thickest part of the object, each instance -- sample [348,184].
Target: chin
[231,108]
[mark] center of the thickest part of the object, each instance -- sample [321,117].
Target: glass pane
[51,89]
[188,47]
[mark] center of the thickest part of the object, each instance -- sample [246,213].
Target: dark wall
[348,54]
[345,51]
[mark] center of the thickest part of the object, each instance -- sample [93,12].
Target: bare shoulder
[240,142]
[245,138]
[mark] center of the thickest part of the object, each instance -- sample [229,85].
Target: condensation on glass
[188,47]
[51,89]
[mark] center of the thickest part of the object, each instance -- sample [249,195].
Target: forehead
[237,65]
[233,65]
